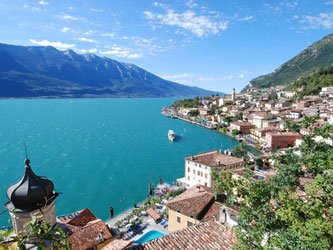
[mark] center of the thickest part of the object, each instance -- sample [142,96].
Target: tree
[227,119]
[292,126]
[42,234]
[235,132]
[293,209]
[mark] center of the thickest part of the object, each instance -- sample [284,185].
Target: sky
[212,44]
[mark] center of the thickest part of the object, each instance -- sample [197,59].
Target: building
[86,231]
[203,111]
[31,196]
[294,114]
[260,133]
[243,127]
[282,139]
[34,197]
[195,205]
[224,101]
[301,104]
[199,168]
[233,95]
[259,119]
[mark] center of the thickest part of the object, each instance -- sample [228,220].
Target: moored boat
[171,135]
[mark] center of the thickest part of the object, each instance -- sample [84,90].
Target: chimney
[226,218]
[198,188]
[192,158]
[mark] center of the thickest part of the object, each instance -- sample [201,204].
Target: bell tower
[31,196]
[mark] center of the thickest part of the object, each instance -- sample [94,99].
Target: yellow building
[195,205]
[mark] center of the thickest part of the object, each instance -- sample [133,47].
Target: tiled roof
[242,124]
[211,235]
[193,202]
[153,214]
[86,229]
[215,159]
[118,245]
[214,212]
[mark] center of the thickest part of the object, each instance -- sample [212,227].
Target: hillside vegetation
[311,85]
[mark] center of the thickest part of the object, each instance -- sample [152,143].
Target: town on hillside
[266,119]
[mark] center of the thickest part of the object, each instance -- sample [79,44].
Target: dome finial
[27,161]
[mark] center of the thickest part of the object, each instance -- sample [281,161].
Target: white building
[199,168]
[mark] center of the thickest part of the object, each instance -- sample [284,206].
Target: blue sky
[216,45]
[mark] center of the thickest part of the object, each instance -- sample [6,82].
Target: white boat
[171,135]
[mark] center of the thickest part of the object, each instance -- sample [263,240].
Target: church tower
[233,95]
[31,196]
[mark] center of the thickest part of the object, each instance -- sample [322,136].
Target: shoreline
[175,116]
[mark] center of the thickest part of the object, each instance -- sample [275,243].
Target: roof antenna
[27,161]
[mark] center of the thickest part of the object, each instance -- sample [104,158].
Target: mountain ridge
[44,71]
[314,57]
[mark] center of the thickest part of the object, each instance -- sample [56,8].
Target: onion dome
[31,192]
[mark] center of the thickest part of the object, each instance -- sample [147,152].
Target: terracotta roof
[243,124]
[153,214]
[118,245]
[200,205]
[215,159]
[214,212]
[84,217]
[86,229]
[207,235]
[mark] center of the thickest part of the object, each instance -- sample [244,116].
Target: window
[189,223]
[193,171]
[205,184]
[206,175]
[188,169]
[195,164]
[199,165]
[179,219]
[199,173]
[188,178]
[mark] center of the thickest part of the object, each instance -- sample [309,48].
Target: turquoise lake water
[97,151]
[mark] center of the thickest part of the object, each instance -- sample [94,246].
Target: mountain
[38,71]
[318,55]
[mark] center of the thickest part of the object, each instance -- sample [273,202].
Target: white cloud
[27,7]
[191,4]
[329,2]
[292,4]
[68,17]
[43,2]
[65,29]
[108,34]
[83,39]
[58,45]
[324,20]
[94,50]
[172,77]
[89,32]
[200,25]
[121,52]
[247,18]
[96,10]
[208,79]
